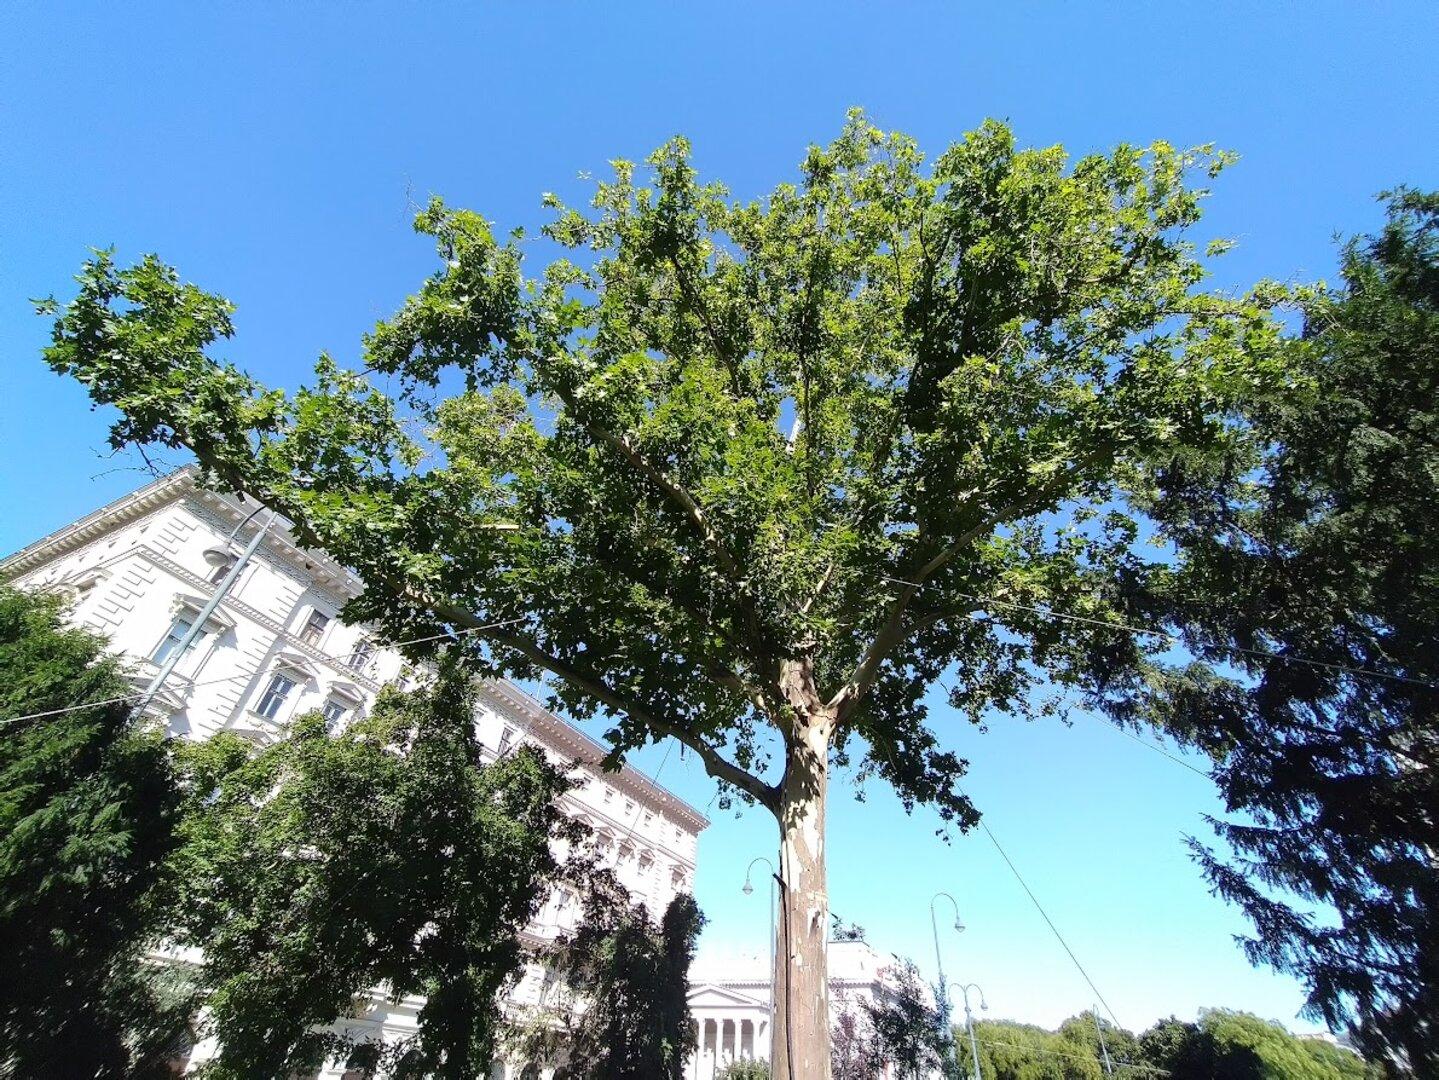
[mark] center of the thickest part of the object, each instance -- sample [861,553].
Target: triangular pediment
[710,995]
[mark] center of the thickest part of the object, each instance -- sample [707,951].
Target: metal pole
[969,1023]
[1103,1047]
[943,995]
[773,904]
[973,1043]
[197,627]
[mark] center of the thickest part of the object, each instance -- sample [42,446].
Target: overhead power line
[1045,916]
[1157,749]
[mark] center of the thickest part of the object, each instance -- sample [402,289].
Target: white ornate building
[141,569]
[730,1001]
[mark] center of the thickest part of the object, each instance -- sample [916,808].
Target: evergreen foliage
[625,985]
[1319,539]
[87,816]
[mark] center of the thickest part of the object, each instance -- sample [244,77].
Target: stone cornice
[109,517]
[563,735]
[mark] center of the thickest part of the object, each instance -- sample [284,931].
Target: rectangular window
[506,738]
[335,712]
[274,696]
[178,629]
[360,655]
[314,628]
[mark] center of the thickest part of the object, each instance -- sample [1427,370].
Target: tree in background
[1102,1038]
[852,1051]
[328,864]
[752,475]
[623,1009]
[904,1023]
[745,1070]
[1319,539]
[1222,1045]
[87,813]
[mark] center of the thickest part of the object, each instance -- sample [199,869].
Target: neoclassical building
[730,1001]
[142,570]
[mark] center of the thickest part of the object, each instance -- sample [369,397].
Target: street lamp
[747,890]
[222,590]
[943,1001]
[969,1021]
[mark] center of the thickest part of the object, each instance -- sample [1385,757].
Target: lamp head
[958,926]
[748,888]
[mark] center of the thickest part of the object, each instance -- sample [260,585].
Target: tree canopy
[755,474]
[622,1009]
[1221,1045]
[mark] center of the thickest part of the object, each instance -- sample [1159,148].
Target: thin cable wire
[1107,624]
[1045,915]
[140,694]
[1034,900]
[1157,749]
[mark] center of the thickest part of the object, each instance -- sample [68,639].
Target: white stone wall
[135,566]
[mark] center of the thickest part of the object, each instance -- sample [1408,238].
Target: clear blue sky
[273,153]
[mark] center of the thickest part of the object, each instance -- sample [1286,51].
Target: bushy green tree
[623,985]
[1015,1051]
[904,1023]
[752,475]
[1222,1045]
[87,813]
[383,856]
[1318,539]
[744,1070]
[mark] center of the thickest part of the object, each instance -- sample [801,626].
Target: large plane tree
[753,475]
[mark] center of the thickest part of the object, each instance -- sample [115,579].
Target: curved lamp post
[747,890]
[943,1001]
[969,1020]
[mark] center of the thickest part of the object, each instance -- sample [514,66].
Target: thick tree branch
[715,763]
[893,631]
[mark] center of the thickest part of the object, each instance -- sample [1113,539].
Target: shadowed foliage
[620,1005]
[87,816]
[384,856]
[1318,539]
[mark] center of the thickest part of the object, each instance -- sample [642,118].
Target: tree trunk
[800,1050]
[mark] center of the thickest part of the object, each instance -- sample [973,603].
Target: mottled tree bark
[801,1029]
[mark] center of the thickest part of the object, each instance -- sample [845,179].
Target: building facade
[730,1002]
[140,571]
